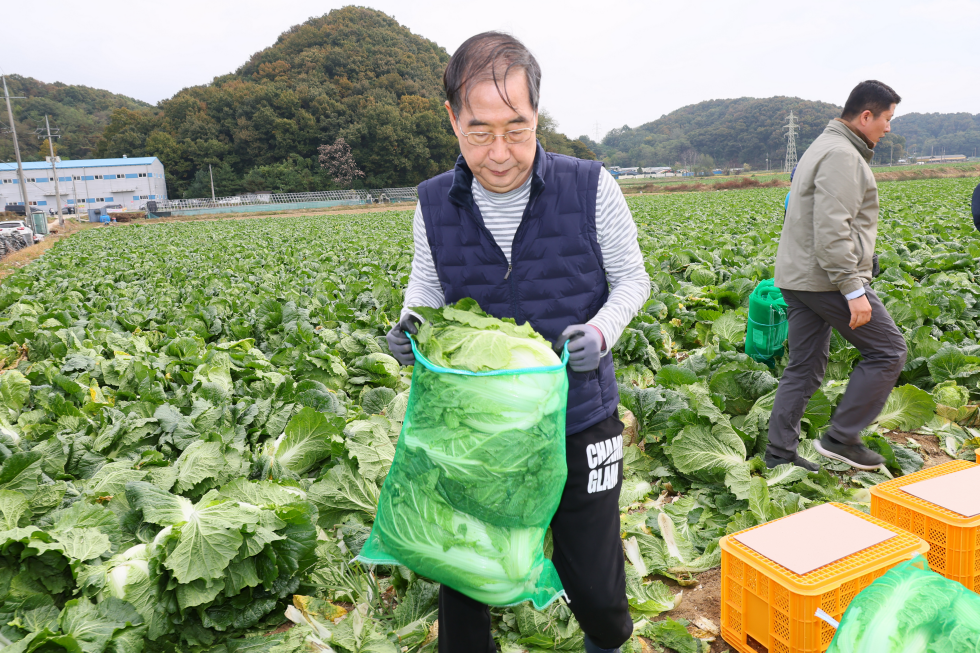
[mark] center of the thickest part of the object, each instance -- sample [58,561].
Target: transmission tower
[791,128]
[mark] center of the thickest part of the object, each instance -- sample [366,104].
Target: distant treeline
[931,133]
[731,133]
[81,113]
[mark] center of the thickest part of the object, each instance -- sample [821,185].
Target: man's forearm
[624,302]
[424,288]
[629,283]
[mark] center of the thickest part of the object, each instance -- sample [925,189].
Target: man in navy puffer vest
[546,239]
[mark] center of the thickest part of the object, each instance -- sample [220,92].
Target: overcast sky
[611,62]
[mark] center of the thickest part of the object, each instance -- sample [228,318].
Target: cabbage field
[196,420]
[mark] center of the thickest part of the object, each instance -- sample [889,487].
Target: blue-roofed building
[86,183]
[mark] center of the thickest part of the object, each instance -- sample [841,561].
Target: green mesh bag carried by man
[910,610]
[480,463]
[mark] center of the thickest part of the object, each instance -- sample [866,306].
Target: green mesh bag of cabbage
[480,463]
[910,610]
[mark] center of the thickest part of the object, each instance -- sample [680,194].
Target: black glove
[875,266]
[398,342]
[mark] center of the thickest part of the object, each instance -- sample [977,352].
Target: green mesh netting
[478,473]
[910,610]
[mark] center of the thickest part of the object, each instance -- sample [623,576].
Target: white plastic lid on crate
[959,491]
[813,538]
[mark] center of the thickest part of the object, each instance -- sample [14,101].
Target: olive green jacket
[828,237]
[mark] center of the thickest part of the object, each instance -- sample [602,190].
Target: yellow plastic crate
[767,607]
[954,540]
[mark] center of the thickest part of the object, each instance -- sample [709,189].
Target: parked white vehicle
[16,228]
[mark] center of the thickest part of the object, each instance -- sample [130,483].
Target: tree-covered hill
[353,74]
[746,130]
[81,112]
[929,133]
[731,132]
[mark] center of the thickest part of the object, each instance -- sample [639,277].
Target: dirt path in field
[700,603]
[743,182]
[929,448]
[340,210]
[947,172]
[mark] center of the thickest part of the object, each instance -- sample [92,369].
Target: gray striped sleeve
[629,283]
[424,288]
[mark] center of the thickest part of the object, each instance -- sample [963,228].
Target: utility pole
[29,219]
[54,166]
[211,174]
[791,159]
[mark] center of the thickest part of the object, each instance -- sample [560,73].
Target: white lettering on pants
[593,480]
[609,453]
[603,479]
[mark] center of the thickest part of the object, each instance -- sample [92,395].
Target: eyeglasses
[512,137]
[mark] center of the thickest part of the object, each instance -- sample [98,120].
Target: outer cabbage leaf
[209,532]
[309,438]
[706,451]
[907,409]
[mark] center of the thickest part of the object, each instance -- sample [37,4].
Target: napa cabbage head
[910,610]
[129,569]
[949,394]
[462,336]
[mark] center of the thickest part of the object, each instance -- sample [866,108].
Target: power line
[54,163]
[29,218]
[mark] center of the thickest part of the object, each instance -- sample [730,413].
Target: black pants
[811,316]
[588,553]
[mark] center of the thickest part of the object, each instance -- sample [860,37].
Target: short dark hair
[489,56]
[871,95]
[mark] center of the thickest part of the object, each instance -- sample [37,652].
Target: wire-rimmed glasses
[512,137]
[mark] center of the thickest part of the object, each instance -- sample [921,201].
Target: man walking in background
[824,266]
[546,239]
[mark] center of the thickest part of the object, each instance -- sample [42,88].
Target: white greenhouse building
[86,183]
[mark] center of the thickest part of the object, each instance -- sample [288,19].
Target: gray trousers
[811,316]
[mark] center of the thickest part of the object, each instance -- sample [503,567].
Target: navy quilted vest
[555,277]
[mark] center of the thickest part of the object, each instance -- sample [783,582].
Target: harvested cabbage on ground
[480,463]
[910,610]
